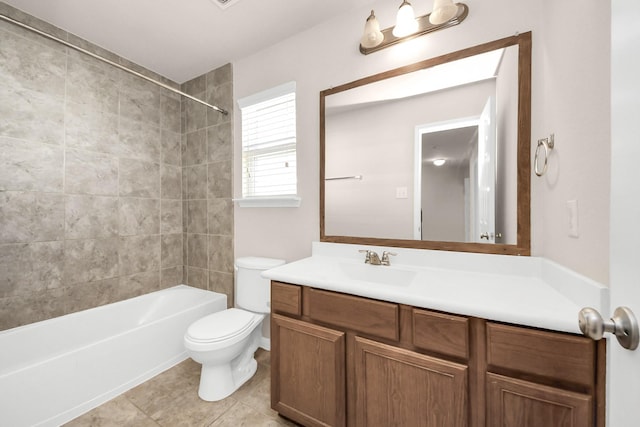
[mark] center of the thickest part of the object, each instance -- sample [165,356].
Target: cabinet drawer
[286,298]
[553,355]
[442,333]
[354,313]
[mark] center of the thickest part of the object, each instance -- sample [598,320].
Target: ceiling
[183,39]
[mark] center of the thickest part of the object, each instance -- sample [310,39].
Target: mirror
[384,139]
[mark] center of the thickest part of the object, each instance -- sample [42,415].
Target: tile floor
[171,399]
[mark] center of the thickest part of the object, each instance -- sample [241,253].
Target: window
[269,147]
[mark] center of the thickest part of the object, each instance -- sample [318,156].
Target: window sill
[269,202]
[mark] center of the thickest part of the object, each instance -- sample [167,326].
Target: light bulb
[405,21]
[443,10]
[439,162]
[372,35]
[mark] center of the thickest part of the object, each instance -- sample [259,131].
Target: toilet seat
[223,328]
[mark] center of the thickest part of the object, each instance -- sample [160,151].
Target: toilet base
[220,381]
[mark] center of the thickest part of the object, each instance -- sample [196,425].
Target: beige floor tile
[241,415]
[116,412]
[170,399]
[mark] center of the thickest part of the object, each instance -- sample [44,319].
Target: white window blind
[269,143]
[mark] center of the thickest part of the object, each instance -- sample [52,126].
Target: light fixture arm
[424,27]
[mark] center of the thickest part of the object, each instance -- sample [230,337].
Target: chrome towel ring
[547,144]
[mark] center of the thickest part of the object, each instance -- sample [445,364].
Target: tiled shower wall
[207,187]
[91,170]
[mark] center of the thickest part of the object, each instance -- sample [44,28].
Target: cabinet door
[307,372]
[517,403]
[398,387]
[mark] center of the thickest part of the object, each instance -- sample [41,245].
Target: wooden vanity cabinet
[341,360]
[542,378]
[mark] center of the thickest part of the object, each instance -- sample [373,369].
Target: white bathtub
[58,369]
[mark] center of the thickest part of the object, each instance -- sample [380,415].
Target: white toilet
[225,342]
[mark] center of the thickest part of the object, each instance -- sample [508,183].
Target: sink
[378,274]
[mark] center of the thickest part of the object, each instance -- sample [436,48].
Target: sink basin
[378,274]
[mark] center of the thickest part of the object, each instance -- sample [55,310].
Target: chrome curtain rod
[115,64]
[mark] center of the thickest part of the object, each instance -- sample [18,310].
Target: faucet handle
[385,257]
[367,257]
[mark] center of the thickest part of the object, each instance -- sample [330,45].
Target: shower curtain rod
[115,64]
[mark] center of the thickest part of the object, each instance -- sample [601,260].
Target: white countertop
[529,291]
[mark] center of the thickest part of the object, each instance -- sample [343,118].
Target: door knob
[623,325]
[484,236]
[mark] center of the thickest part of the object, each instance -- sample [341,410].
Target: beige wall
[570,97]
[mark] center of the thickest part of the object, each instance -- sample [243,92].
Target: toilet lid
[220,325]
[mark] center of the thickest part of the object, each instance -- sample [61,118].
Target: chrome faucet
[371,257]
[385,257]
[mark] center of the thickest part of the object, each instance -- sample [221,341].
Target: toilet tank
[253,292]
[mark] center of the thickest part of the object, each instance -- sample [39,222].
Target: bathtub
[55,370]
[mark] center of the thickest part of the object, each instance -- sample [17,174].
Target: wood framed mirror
[382,136]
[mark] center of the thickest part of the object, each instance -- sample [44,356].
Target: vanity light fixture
[439,162]
[445,14]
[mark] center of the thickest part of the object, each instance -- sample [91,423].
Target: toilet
[225,342]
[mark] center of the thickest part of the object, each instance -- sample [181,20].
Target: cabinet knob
[623,325]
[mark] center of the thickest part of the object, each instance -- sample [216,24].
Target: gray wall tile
[195,86]
[171,276]
[139,140]
[221,96]
[139,283]
[220,76]
[170,113]
[30,166]
[197,277]
[89,82]
[82,296]
[97,136]
[139,179]
[90,259]
[31,217]
[90,217]
[171,255]
[194,150]
[219,180]
[197,216]
[220,216]
[139,216]
[195,116]
[91,173]
[90,128]
[222,283]
[196,182]
[171,149]
[171,216]
[197,250]
[36,306]
[221,253]
[171,182]
[30,65]
[32,116]
[32,267]
[140,100]
[139,254]
[219,143]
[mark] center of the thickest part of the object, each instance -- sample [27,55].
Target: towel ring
[547,144]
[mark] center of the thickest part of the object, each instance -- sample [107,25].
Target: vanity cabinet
[339,359]
[539,378]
